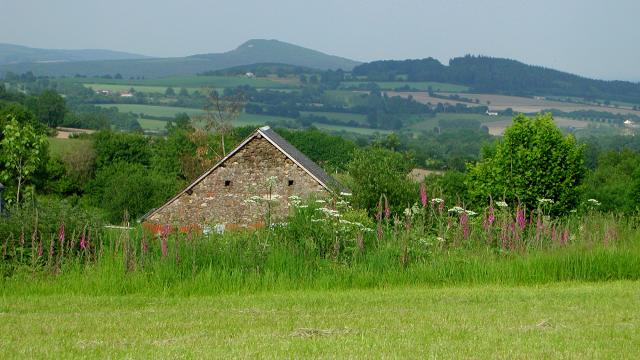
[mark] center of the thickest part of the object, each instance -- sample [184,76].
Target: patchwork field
[519,104]
[565,320]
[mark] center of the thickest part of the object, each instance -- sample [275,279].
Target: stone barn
[234,192]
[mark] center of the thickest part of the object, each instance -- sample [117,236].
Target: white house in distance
[492,113]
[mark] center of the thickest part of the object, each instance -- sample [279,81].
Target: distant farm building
[492,113]
[126,94]
[234,192]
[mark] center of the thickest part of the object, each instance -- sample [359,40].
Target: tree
[616,181]
[20,150]
[124,186]
[49,107]
[533,161]
[377,171]
[220,112]
[169,92]
[184,92]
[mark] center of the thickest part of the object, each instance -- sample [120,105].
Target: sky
[599,39]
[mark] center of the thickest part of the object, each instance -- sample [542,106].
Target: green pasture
[562,320]
[421,85]
[351,129]
[154,110]
[343,117]
[140,88]
[343,97]
[194,82]
[428,123]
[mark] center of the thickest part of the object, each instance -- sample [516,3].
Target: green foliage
[131,187]
[49,108]
[615,183]
[533,161]
[114,147]
[377,171]
[329,151]
[449,186]
[21,152]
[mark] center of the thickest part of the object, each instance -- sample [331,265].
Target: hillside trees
[533,161]
[49,108]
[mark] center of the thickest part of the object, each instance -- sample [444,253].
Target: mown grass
[566,320]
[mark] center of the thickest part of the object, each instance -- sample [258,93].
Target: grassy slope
[574,320]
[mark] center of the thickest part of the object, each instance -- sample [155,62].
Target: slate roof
[302,160]
[315,171]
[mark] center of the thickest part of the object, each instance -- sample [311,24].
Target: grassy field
[195,82]
[344,117]
[566,320]
[154,110]
[428,123]
[244,120]
[357,130]
[422,85]
[140,88]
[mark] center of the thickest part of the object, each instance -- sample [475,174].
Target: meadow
[327,283]
[563,320]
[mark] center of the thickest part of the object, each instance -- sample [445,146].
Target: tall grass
[325,246]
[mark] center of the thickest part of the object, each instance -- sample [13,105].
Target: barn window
[290,182]
[227,183]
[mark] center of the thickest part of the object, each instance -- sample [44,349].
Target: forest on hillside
[504,76]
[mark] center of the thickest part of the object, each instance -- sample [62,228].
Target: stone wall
[221,197]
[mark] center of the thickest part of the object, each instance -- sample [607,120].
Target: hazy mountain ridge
[251,52]
[15,54]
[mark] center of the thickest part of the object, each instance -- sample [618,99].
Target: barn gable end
[219,196]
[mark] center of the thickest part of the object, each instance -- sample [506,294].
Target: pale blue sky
[593,38]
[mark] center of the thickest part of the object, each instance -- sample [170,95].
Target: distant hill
[253,51]
[502,76]
[15,54]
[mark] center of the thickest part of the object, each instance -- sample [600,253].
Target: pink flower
[40,249]
[61,234]
[424,199]
[164,236]
[564,238]
[520,218]
[387,210]
[490,218]
[464,223]
[83,241]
